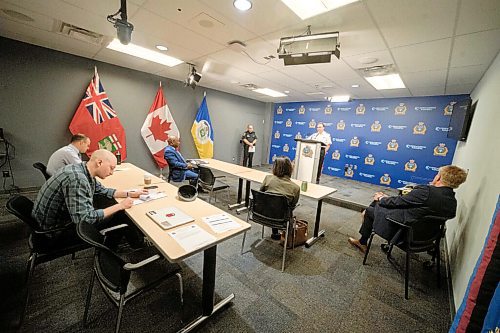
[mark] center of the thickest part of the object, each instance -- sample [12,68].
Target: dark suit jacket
[176,163]
[421,201]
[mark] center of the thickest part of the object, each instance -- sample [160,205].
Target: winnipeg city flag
[157,128]
[202,131]
[96,118]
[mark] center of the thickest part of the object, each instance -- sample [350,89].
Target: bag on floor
[298,236]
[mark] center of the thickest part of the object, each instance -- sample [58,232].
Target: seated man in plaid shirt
[68,197]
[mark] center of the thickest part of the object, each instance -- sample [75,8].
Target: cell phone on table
[150,187]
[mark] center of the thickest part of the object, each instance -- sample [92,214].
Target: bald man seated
[68,197]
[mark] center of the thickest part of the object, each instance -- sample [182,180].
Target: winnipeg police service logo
[400,110]
[440,150]
[411,166]
[393,145]
[312,124]
[274,158]
[288,123]
[298,136]
[385,179]
[203,131]
[277,134]
[328,109]
[349,170]
[360,109]
[376,127]
[307,152]
[279,110]
[302,109]
[369,159]
[341,125]
[448,109]
[419,128]
[336,155]
[286,148]
[354,142]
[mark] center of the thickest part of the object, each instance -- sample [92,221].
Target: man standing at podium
[325,138]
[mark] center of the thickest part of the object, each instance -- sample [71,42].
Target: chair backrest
[43,169]
[427,229]
[269,209]
[21,206]
[206,176]
[108,265]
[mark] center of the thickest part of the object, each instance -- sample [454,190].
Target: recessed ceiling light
[17,15]
[143,53]
[269,92]
[382,82]
[162,48]
[340,98]
[355,86]
[242,5]
[287,91]
[234,82]
[367,60]
[310,8]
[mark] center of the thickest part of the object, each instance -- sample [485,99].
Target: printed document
[192,237]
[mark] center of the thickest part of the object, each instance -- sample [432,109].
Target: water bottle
[118,157]
[303,187]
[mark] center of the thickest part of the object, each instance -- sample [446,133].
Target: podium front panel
[306,161]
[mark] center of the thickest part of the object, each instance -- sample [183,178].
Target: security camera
[124,31]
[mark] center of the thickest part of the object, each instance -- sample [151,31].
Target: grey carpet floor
[324,288]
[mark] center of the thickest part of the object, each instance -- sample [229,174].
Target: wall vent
[78,33]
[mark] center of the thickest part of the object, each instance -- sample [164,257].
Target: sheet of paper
[148,197]
[220,222]
[192,237]
[251,149]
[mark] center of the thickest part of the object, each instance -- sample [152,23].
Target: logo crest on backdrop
[302,109]
[360,109]
[279,110]
[336,155]
[298,136]
[393,145]
[369,159]
[307,152]
[354,142]
[274,158]
[448,109]
[440,150]
[376,127]
[312,124]
[203,131]
[349,170]
[328,109]
[385,179]
[277,135]
[288,123]
[110,143]
[341,125]
[419,128]
[286,148]
[400,110]
[411,166]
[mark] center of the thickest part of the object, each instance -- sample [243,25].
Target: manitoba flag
[96,118]
[157,127]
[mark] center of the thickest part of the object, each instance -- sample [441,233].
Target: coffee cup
[147,179]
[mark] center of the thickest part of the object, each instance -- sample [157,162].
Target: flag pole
[95,70]
[160,84]
[205,93]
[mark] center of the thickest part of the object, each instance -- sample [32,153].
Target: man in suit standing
[179,168]
[325,138]
[437,199]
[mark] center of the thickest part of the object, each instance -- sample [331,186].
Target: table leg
[317,233]
[247,199]
[239,201]
[208,291]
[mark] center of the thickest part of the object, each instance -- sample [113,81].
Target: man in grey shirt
[69,154]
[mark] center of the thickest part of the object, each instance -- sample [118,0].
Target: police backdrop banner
[390,142]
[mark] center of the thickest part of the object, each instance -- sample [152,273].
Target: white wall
[478,196]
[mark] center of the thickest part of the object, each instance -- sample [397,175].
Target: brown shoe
[356,243]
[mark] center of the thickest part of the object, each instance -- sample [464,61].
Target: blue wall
[392,148]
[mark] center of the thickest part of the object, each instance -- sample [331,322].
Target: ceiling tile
[478,15]
[391,93]
[380,58]
[475,49]
[425,78]
[427,90]
[423,57]
[466,75]
[459,89]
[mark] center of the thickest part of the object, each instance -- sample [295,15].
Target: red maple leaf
[159,129]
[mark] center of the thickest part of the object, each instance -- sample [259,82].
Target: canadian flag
[157,127]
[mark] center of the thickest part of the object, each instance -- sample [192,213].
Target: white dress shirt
[66,155]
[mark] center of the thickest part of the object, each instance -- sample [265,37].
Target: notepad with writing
[169,217]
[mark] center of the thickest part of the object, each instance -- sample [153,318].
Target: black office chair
[273,211]
[211,183]
[43,169]
[421,236]
[43,248]
[114,272]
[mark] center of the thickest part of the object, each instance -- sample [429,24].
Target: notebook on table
[169,217]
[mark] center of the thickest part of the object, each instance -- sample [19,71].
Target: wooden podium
[307,159]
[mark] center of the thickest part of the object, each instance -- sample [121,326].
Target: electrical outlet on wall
[6,173]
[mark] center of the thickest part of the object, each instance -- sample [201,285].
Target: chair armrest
[221,176]
[130,266]
[47,232]
[401,224]
[120,226]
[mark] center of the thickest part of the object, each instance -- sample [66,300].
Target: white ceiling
[439,47]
